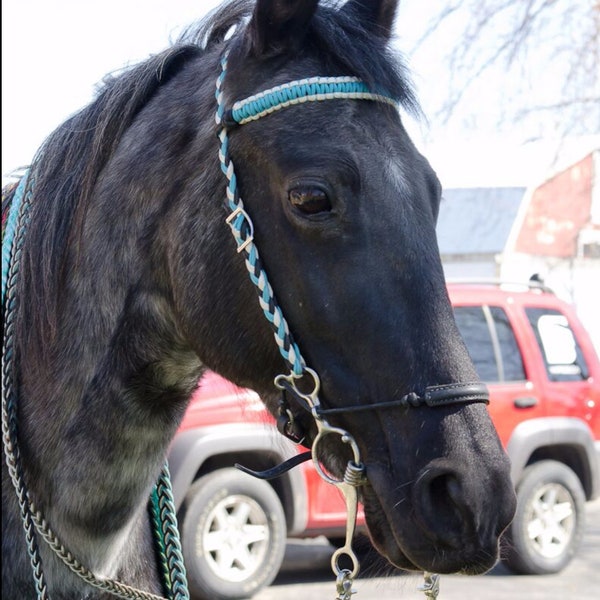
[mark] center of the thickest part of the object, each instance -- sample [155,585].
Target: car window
[512,361]
[491,342]
[562,355]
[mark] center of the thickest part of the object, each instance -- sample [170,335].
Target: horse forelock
[343,40]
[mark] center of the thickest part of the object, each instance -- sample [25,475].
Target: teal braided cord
[9,230]
[304,90]
[159,540]
[12,244]
[167,538]
[241,227]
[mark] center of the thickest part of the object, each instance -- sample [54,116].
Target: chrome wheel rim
[235,538]
[551,520]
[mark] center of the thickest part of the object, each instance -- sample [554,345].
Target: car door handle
[525,401]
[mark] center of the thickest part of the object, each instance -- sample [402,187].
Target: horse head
[344,211]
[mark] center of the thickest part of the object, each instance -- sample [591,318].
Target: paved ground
[306,575]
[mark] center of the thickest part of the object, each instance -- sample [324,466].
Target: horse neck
[102,400]
[97,416]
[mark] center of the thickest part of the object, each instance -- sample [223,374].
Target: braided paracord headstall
[247,110]
[250,109]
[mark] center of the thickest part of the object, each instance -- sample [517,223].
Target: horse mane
[66,168]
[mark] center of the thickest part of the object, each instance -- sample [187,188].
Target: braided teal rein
[161,505]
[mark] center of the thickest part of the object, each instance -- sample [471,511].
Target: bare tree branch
[544,56]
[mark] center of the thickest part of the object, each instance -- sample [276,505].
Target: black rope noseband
[436,395]
[290,427]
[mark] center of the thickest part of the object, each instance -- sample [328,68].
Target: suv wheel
[549,522]
[233,532]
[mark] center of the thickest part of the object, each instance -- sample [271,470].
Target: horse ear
[278,25]
[377,16]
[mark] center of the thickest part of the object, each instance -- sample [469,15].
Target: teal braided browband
[304,90]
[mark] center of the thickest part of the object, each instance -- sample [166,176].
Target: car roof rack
[531,284]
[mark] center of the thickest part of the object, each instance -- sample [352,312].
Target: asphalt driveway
[306,575]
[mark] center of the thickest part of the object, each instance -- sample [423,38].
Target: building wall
[556,235]
[556,212]
[556,220]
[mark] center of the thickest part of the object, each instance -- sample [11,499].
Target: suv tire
[233,531]
[549,522]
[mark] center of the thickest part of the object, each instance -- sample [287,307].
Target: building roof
[477,220]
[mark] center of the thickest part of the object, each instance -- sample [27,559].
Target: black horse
[130,286]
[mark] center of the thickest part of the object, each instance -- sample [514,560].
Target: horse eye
[310,200]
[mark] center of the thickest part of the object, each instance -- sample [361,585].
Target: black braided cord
[9,413]
[32,518]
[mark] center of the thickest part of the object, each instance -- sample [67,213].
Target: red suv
[544,380]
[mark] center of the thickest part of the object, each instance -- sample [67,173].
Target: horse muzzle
[448,520]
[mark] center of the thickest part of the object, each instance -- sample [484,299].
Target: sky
[54,53]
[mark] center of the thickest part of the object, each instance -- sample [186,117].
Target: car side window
[562,354]
[491,342]
[512,362]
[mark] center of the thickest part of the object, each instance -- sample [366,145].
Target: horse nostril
[440,506]
[446,491]
[453,488]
